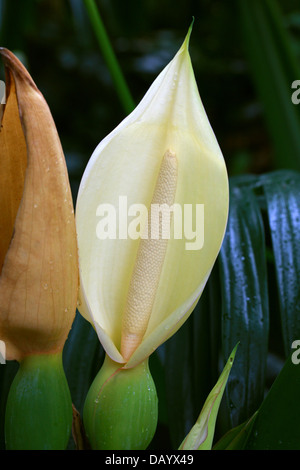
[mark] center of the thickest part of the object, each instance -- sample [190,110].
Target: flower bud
[38,247]
[120,411]
[38,265]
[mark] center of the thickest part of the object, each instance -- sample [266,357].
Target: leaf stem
[109,56]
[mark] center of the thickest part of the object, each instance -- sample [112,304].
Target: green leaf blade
[245,307]
[276,426]
[282,192]
[202,433]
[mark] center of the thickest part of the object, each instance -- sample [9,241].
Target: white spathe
[127,163]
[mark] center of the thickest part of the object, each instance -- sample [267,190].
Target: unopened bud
[120,411]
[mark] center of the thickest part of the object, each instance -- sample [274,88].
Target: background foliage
[245,56]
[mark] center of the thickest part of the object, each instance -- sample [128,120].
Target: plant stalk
[109,56]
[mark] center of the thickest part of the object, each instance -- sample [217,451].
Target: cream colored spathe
[165,150]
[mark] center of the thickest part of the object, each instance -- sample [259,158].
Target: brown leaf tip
[15,66]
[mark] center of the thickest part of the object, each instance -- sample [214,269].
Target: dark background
[55,40]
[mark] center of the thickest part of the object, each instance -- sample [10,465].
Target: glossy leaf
[235,438]
[244,303]
[276,425]
[282,192]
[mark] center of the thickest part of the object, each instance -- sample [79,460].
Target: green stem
[39,406]
[109,56]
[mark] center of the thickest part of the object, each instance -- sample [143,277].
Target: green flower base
[121,411]
[39,406]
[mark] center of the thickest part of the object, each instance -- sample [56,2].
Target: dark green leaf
[244,303]
[236,438]
[7,374]
[276,425]
[282,192]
